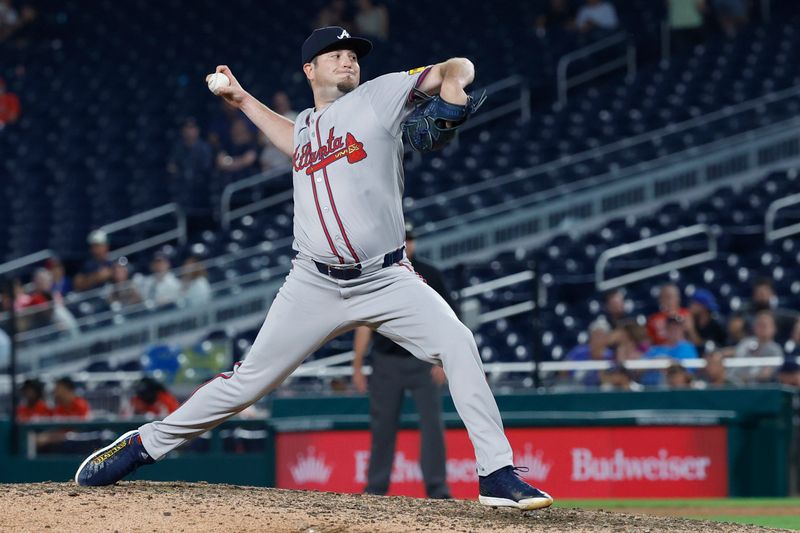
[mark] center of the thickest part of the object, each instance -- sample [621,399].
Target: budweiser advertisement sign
[605,462]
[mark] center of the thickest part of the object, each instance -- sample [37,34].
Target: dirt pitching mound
[190,507]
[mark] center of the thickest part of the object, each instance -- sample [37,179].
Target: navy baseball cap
[332,38]
[706,299]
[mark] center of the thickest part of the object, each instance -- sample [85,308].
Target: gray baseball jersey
[348,186]
[348,172]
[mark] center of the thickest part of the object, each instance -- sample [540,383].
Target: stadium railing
[178,233]
[626,59]
[706,120]
[771,233]
[685,175]
[708,254]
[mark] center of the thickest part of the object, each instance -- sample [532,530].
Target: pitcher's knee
[459,342]
[246,385]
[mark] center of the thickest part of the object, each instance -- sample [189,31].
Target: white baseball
[217,81]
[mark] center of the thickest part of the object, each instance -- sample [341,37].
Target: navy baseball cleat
[504,488]
[108,465]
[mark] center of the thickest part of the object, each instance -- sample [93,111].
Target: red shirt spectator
[669,301]
[67,403]
[37,410]
[152,398]
[33,404]
[9,106]
[657,324]
[78,408]
[163,405]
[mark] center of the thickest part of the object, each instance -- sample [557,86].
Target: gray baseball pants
[312,308]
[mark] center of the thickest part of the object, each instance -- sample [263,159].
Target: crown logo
[538,468]
[310,468]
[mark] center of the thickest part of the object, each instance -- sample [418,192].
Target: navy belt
[353,271]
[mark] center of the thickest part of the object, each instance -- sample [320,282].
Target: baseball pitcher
[350,269]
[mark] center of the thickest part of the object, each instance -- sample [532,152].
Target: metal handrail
[331,371]
[226,214]
[22,262]
[770,233]
[521,104]
[564,83]
[540,197]
[326,367]
[179,233]
[662,268]
[494,284]
[622,144]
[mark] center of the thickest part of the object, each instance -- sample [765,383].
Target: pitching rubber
[101,450]
[528,504]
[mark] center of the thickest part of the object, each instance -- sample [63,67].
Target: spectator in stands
[715,374]
[239,159]
[675,346]
[619,378]
[685,23]
[596,350]
[678,377]
[10,109]
[763,298]
[334,14]
[37,309]
[615,307]
[731,15]
[630,340]
[761,344]
[161,286]
[47,306]
[669,301]
[195,288]
[704,329]
[372,21]
[96,272]
[789,374]
[597,16]
[12,20]
[737,329]
[66,402]
[283,106]
[189,166]
[152,399]
[66,405]
[61,283]
[558,15]
[32,405]
[219,128]
[270,157]
[122,291]
[9,19]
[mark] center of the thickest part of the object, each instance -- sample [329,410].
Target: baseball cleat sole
[101,450]
[528,504]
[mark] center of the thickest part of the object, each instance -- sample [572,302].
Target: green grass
[778,521]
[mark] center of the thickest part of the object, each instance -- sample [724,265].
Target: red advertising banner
[630,462]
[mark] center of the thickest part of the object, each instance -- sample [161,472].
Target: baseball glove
[434,122]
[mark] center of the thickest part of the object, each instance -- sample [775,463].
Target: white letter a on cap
[344,35]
